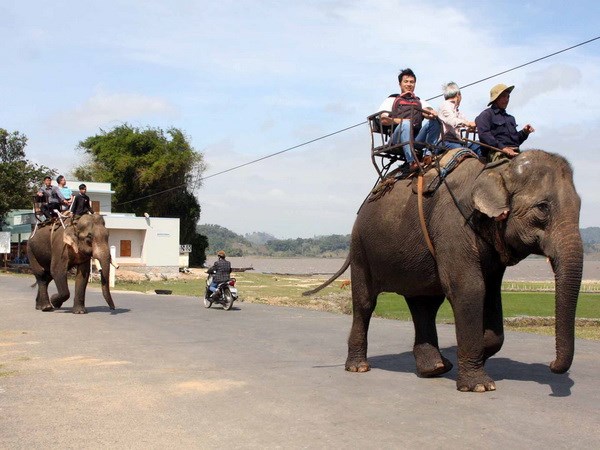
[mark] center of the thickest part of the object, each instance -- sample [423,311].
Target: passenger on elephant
[51,197]
[66,191]
[498,128]
[221,271]
[81,202]
[453,120]
[403,116]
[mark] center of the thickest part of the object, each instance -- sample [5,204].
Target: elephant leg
[364,300]
[42,279]
[81,281]
[63,293]
[430,361]
[493,327]
[468,303]
[42,301]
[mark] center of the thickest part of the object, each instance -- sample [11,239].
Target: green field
[515,304]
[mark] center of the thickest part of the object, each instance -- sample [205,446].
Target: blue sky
[248,78]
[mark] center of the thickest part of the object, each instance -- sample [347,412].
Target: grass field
[527,311]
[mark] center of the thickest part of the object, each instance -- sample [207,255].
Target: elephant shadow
[497,368]
[96,309]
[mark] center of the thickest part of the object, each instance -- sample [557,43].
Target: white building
[142,244]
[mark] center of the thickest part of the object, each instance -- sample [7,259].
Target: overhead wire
[254,161]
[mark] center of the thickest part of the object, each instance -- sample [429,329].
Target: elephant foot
[430,362]
[56,304]
[79,310]
[475,382]
[357,366]
[46,308]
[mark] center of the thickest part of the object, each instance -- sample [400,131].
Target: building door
[96,206]
[125,248]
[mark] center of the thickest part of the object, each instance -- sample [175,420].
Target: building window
[125,248]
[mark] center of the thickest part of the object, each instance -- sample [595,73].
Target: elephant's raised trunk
[104,277]
[567,263]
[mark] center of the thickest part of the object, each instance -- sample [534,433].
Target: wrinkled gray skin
[53,251]
[527,206]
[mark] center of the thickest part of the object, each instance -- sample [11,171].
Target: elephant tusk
[98,266]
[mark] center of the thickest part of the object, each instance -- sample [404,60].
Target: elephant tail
[331,280]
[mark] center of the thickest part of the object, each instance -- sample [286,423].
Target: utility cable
[358,124]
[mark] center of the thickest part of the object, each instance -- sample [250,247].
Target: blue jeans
[429,132]
[213,286]
[470,145]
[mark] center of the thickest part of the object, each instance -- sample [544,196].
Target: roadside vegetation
[524,310]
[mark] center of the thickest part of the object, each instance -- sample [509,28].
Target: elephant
[480,220]
[54,250]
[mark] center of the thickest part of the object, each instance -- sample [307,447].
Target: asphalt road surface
[164,372]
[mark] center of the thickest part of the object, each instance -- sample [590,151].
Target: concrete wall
[154,241]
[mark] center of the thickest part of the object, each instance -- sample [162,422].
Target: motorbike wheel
[227,300]
[207,303]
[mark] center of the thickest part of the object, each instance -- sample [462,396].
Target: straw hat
[497,90]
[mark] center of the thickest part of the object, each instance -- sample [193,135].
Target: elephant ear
[70,238]
[490,195]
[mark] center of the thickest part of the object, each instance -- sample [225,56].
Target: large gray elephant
[479,221]
[54,250]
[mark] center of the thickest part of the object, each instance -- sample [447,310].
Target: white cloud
[104,108]
[550,80]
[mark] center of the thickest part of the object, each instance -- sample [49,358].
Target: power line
[359,124]
[523,65]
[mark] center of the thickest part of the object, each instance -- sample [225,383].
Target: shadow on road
[497,368]
[96,309]
[508,369]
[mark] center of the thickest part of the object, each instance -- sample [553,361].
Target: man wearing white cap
[498,128]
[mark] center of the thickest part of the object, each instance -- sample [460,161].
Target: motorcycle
[226,291]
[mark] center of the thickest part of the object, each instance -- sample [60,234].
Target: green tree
[152,171]
[18,176]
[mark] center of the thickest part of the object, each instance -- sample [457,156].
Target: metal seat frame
[384,154]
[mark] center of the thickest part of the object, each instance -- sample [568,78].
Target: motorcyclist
[221,271]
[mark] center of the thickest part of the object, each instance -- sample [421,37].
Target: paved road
[163,372]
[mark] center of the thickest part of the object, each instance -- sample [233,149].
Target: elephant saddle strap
[422,215]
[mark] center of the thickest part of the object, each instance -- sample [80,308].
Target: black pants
[48,209]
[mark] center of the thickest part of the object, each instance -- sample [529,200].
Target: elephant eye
[543,207]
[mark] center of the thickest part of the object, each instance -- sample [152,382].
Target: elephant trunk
[104,277]
[567,263]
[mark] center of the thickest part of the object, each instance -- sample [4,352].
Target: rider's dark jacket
[221,270]
[498,128]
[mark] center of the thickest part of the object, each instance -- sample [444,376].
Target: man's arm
[484,128]
[525,132]
[59,195]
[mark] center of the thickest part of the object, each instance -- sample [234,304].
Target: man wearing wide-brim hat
[497,128]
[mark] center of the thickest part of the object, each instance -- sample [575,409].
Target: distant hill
[221,238]
[265,244]
[259,237]
[335,245]
[591,239]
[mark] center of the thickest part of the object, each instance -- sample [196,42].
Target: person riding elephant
[480,220]
[54,250]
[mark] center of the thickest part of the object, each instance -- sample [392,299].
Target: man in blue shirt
[497,128]
[51,198]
